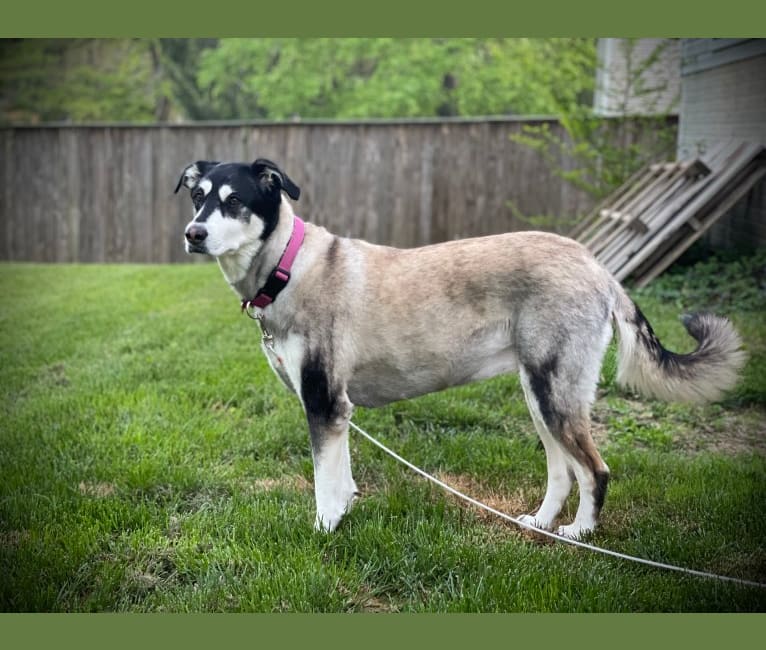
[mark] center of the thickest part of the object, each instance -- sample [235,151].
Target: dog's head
[235,204]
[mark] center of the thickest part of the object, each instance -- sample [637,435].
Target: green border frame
[100,18]
[142,18]
[369,631]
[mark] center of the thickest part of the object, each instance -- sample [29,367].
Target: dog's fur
[369,325]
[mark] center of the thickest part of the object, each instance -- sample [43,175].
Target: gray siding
[724,96]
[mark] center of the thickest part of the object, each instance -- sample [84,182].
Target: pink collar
[280,276]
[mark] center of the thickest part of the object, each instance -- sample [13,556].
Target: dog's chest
[285,356]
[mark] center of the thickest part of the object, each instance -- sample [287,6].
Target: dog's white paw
[326,523]
[574,531]
[331,508]
[531,520]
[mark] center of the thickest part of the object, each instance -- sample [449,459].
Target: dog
[347,323]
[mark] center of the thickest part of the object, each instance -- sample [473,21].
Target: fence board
[105,193]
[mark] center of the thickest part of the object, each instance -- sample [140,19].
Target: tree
[281,78]
[77,80]
[176,60]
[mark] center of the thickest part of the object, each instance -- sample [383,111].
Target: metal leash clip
[250,309]
[267,339]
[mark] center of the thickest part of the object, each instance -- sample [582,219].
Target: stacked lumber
[645,225]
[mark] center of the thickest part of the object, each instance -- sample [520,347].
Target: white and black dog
[346,322]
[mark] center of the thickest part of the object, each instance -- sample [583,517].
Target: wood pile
[645,225]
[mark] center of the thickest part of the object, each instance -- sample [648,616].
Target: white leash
[558,538]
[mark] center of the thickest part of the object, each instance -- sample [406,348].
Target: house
[639,76]
[723,95]
[716,86]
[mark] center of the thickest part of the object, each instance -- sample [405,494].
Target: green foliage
[177,59]
[718,284]
[280,78]
[78,80]
[606,151]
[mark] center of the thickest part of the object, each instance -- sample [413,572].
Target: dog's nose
[196,234]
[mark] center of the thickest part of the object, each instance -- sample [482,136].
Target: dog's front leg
[328,413]
[334,487]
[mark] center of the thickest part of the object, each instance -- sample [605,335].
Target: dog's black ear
[266,171]
[191,175]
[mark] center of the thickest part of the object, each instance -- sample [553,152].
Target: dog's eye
[197,199]
[233,203]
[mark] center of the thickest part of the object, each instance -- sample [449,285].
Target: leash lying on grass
[559,538]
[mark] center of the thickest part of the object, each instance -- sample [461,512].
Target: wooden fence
[105,193]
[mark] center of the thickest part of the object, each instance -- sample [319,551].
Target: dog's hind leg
[571,454]
[328,412]
[559,385]
[592,476]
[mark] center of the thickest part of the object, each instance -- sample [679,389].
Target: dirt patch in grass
[157,568]
[513,503]
[288,482]
[97,490]
[365,599]
[728,432]
[13,538]
[55,375]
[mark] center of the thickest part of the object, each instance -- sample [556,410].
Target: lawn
[149,461]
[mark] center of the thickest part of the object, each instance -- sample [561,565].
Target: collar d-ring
[251,310]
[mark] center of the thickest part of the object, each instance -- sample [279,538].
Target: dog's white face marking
[224,191]
[226,235]
[234,243]
[205,185]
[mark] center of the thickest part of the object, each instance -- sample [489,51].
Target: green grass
[149,461]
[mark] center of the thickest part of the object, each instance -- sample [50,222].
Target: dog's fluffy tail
[700,376]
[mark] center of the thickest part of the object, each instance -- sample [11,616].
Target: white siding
[627,83]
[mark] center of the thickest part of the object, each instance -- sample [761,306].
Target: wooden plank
[582,228]
[678,180]
[734,162]
[6,174]
[117,185]
[698,168]
[630,220]
[662,263]
[71,179]
[25,161]
[629,191]
[43,183]
[56,217]
[653,216]
[664,208]
[650,194]
[631,202]
[670,210]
